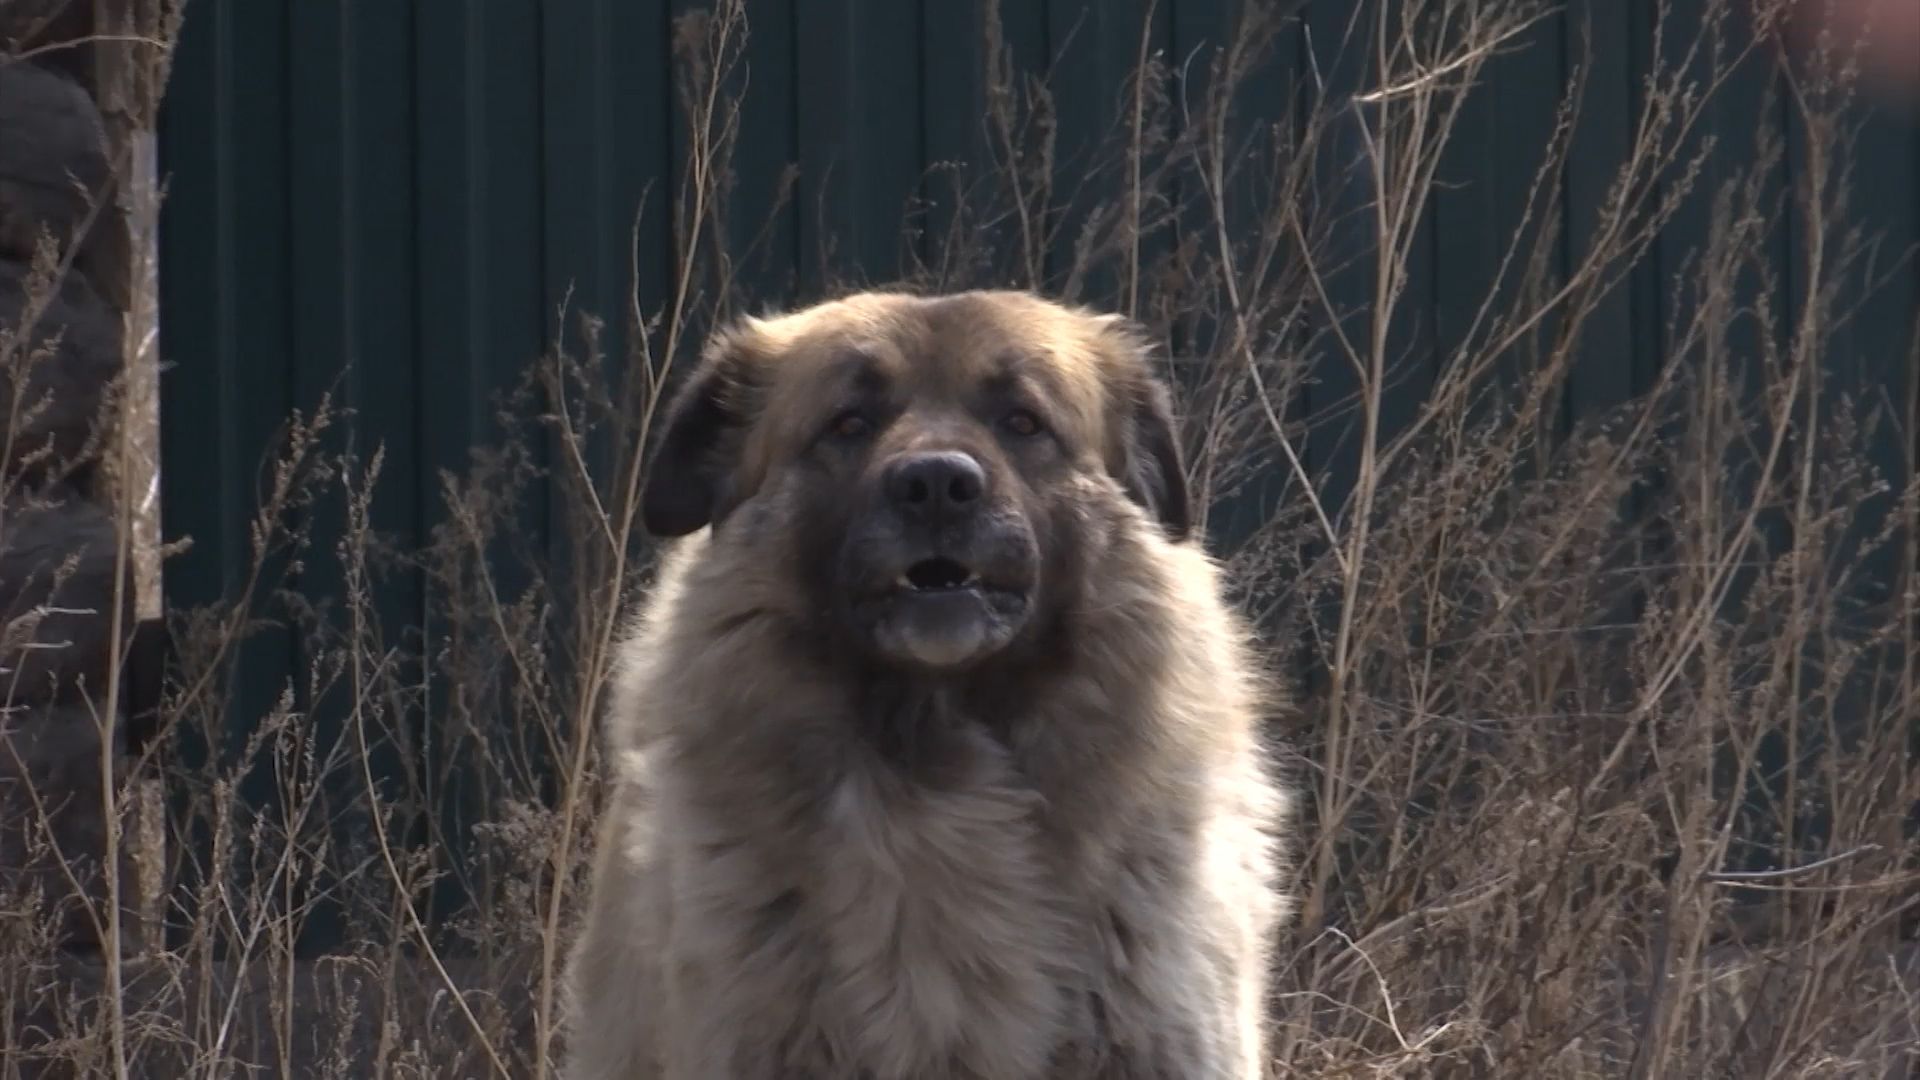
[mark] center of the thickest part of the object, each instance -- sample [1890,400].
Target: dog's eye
[851,425]
[1022,423]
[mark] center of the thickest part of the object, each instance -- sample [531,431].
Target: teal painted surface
[394,198]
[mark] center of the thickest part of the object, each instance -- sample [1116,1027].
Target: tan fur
[1088,889]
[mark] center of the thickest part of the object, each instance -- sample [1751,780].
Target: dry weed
[1608,751]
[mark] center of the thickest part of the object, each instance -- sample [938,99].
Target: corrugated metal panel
[413,188]
[225,259]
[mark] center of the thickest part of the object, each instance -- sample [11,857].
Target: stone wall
[66,282]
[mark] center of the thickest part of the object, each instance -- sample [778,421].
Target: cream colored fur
[1087,889]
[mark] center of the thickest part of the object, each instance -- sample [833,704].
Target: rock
[62,652]
[52,810]
[76,374]
[55,30]
[53,152]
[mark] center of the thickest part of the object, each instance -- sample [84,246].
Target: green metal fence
[406,191]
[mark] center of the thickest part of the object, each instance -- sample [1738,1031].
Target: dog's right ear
[1156,474]
[690,481]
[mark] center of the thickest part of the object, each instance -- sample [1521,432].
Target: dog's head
[928,468]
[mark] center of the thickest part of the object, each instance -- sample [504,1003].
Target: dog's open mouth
[938,575]
[941,613]
[940,610]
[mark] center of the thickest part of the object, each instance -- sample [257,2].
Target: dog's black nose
[940,483]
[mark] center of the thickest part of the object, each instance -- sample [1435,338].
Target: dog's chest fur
[912,918]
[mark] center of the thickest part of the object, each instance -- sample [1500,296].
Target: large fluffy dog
[935,748]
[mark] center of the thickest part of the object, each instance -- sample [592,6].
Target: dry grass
[1608,756]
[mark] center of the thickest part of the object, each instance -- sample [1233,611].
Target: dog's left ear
[1152,468]
[1156,474]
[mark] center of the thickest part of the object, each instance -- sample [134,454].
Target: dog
[934,749]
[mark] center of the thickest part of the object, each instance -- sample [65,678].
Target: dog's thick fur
[1058,862]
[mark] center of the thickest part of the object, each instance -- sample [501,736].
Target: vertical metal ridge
[225,345]
[420,481]
[473,131]
[920,193]
[349,204]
